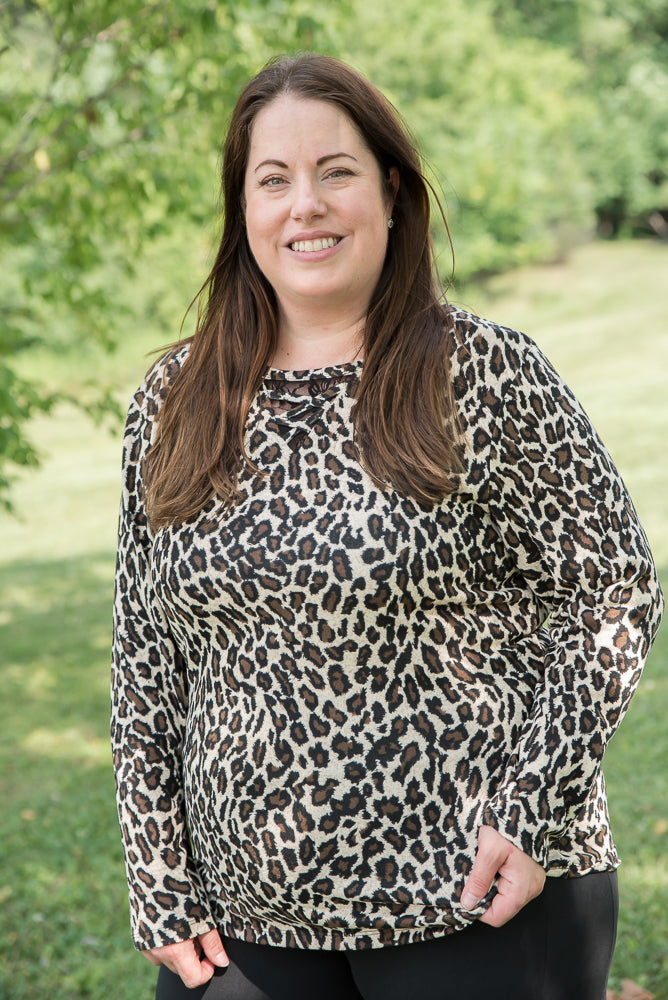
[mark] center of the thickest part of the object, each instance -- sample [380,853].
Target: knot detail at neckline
[296,402]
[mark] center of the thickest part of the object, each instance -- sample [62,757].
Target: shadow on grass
[63,912]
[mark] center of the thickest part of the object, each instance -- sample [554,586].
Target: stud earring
[390,223]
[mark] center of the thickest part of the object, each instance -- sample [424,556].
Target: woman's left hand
[521,878]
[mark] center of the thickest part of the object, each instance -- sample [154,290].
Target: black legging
[558,947]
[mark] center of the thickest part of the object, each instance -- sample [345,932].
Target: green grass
[63,910]
[63,914]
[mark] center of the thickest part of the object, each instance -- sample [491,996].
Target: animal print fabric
[321,694]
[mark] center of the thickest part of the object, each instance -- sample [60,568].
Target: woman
[348,749]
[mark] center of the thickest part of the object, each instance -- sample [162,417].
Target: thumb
[212,947]
[491,853]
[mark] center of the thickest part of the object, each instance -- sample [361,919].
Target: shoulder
[153,391]
[493,356]
[494,349]
[151,394]
[147,401]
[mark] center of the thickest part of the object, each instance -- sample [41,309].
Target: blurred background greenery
[546,128]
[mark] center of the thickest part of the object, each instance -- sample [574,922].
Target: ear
[392,186]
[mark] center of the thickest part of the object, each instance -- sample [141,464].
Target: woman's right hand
[194,961]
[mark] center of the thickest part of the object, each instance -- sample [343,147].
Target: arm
[168,902]
[561,506]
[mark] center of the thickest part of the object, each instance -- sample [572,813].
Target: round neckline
[309,374]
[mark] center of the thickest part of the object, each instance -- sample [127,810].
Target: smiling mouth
[310,246]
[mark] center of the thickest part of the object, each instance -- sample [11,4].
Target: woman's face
[317,206]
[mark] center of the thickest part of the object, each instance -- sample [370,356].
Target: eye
[339,172]
[274,181]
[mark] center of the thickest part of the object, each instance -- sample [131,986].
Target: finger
[212,947]
[479,882]
[500,911]
[192,971]
[491,854]
[509,900]
[521,879]
[183,959]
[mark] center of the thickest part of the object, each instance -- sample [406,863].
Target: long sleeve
[149,701]
[560,506]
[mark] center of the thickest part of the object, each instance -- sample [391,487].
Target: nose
[307,202]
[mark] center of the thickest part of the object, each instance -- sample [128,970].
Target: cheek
[377,214]
[254,230]
[261,226]
[378,231]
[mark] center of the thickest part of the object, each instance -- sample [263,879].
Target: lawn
[601,317]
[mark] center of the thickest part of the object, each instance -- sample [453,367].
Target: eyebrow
[319,162]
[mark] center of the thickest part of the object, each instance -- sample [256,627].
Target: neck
[314,341]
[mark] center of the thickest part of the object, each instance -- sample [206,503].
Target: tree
[111,117]
[498,119]
[623,47]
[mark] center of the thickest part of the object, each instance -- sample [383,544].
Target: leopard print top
[319,696]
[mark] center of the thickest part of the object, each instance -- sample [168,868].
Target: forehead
[295,124]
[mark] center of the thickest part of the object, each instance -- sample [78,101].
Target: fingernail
[468,901]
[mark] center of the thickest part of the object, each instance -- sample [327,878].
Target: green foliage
[111,119]
[541,119]
[498,120]
[622,47]
[19,399]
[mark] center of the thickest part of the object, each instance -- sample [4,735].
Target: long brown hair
[404,416]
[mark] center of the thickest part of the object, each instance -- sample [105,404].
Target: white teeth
[308,246]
